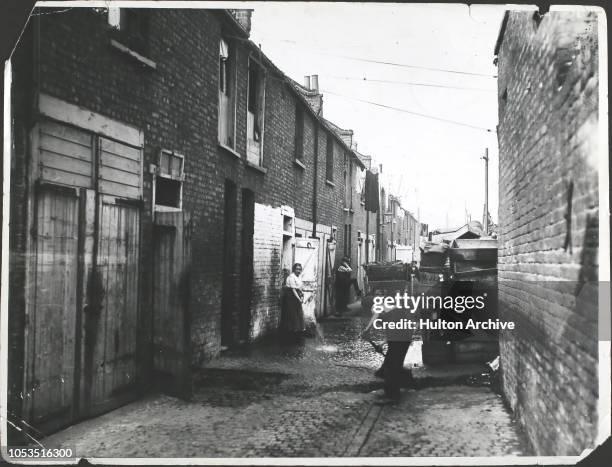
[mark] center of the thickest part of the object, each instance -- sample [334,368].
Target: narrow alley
[315,399]
[219,221]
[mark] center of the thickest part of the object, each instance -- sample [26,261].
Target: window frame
[261,70]
[138,41]
[298,139]
[329,159]
[178,178]
[231,93]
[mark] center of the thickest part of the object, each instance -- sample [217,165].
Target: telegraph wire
[409,83]
[398,109]
[405,65]
[384,62]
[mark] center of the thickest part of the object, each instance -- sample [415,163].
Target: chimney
[314,83]
[307,82]
[243,17]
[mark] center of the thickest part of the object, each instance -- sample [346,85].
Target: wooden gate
[82,305]
[306,253]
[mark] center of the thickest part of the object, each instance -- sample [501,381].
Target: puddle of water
[327,348]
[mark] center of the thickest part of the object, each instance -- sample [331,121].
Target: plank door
[171,303]
[110,365]
[307,253]
[62,173]
[111,323]
[51,329]
[82,301]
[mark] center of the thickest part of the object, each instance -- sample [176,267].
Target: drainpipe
[316,178]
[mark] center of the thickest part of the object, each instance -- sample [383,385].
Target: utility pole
[485,221]
[417,240]
[367,239]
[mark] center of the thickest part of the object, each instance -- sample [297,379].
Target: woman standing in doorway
[293,313]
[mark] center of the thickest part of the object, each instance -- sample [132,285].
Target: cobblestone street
[315,399]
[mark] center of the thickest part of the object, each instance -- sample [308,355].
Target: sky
[434,166]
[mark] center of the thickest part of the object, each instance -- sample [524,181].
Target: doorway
[246,263]
[83,275]
[228,304]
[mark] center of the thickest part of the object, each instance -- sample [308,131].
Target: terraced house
[165,177]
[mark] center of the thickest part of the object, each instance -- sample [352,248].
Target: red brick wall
[548,127]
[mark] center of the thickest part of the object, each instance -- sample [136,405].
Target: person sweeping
[398,342]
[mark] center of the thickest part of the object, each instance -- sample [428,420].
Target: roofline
[324,122]
[502,30]
[292,83]
[235,24]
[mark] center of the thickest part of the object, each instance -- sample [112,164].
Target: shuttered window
[67,156]
[119,169]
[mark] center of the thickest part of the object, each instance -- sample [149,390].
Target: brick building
[399,231]
[166,175]
[548,228]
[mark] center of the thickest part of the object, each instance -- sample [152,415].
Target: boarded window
[66,155]
[120,169]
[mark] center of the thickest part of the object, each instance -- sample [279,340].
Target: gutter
[502,31]
[316,180]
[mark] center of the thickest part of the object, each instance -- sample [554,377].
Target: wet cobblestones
[314,399]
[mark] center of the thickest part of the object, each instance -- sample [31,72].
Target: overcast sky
[431,164]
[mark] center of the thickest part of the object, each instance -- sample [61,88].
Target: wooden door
[82,301]
[112,322]
[306,253]
[51,330]
[63,175]
[171,303]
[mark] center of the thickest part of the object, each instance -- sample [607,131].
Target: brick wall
[548,127]
[175,105]
[267,280]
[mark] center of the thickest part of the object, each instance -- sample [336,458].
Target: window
[227,102]
[132,27]
[255,113]
[347,239]
[329,161]
[299,132]
[348,181]
[169,182]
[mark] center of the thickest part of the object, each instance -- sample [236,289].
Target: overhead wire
[409,83]
[386,62]
[398,109]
